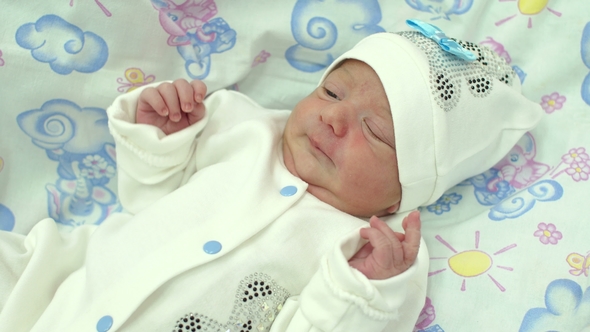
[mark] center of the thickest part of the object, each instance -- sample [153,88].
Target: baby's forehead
[360,75]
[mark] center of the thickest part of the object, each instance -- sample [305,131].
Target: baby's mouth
[316,147]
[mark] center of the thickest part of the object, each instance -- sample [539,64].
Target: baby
[240,218]
[339,140]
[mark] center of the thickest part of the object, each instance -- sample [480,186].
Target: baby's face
[340,140]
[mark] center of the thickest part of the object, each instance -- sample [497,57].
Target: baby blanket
[509,248]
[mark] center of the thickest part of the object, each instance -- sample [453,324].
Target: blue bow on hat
[441,39]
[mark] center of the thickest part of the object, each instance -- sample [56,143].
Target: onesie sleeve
[150,164]
[340,298]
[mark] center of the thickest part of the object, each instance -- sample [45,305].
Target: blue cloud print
[490,192]
[542,191]
[324,30]
[441,8]
[64,46]
[567,309]
[585,50]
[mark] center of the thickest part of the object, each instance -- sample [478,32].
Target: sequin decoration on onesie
[258,301]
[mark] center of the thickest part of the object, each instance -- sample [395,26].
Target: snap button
[289,191]
[212,247]
[104,324]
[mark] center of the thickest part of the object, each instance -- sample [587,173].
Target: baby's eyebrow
[342,68]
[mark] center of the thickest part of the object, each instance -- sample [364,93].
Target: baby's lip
[316,146]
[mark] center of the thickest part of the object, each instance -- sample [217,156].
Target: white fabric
[146,268]
[436,148]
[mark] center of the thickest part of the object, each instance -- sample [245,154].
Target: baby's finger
[197,113]
[388,253]
[376,238]
[185,95]
[170,96]
[411,243]
[150,99]
[199,90]
[412,222]
[363,252]
[379,224]
[400,236]
[395,240]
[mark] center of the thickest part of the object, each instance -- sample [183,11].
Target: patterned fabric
[448,72]
[258,301]
[526,214]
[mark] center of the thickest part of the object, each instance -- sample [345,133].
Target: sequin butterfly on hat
[451,61]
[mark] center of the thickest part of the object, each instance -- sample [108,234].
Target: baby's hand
[388,253]
[172,106]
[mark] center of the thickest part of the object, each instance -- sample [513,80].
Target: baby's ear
[392,208]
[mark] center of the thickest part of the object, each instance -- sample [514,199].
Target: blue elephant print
[324,30]
[85,167]
[489,188]
[195,33]
[197,55]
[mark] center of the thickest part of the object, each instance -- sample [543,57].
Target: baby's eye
[371,131]
[331,94]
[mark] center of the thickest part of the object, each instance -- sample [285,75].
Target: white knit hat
[452,118]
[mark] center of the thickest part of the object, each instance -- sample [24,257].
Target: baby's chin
[331,199]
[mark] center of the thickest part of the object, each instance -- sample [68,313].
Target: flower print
[439,208]
[89,173]
[443,204]
[578,171]
[577,155]
[260,58]
[547,233]
[552,102]
[108,171]
[451,198]
[95,161]
[578,161]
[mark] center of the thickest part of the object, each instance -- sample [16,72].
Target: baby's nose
[335,117]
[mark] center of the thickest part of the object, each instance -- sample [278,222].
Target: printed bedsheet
[509,248]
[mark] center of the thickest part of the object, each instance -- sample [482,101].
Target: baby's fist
[172,106]
[388,253]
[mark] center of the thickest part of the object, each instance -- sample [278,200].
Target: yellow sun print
[529,8]
[471,263]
